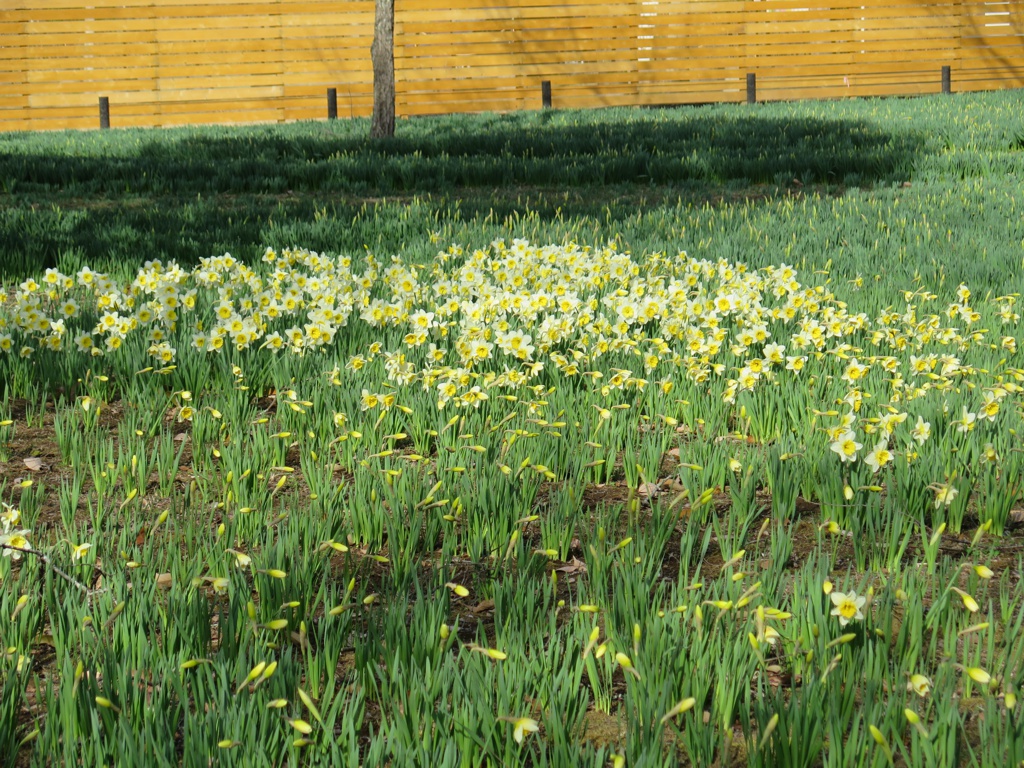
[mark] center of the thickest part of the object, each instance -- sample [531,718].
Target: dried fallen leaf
[648,489]
[164,580]
[483,606]
[34,463]
[574,566]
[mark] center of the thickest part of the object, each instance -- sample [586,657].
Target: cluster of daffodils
[471,322]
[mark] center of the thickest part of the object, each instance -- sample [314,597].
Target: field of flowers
[732,483]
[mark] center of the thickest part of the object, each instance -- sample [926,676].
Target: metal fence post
[104,112]
[751,88]
[946,85]
[545,94]
[332,103]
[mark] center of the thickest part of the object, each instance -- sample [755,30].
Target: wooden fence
[166,62]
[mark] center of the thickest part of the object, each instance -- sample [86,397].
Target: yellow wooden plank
[896,48]
[317,94]
[685,21]
[40,55]
[442,15]
[815,68]
[97,40]
[1006,63]
[446,89]
[71,78]
[1005,51]
[580,7]
[81,12]
[337,21]
[475,105]
[13,102]
[198,48]
[837,28]
[242,72]
[45,28]
[192,7]
[53,124]
[489,47]
[187,106]
[254,117]
[688,93]
[332,74]
[992,42]
[853,84]
[512,92]
[810,6]
[515,60]
[518,26]
[241,94]
[840,92]
[818,41]
[90,98]
[1001,79]
[594,100]
[214,37]
[143,25]
[54,114]
[204,83]
[546,71]
[77,63]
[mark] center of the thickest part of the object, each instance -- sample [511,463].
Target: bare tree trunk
[382,54]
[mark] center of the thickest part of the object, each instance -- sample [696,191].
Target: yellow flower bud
[984,571]
[979,675]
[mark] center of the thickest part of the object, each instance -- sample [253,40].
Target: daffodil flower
[879,456]
[920,685]
[944,494]
[846,446]
[848,607]
[17,541]
[522,726]
[242,560]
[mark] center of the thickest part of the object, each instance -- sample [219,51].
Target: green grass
[543,527]
[111,198]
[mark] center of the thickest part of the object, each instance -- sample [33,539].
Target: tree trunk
[382,54]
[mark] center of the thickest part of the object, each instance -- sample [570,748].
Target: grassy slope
[904,188]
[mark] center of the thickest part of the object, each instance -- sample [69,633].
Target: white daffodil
[848,607]
[846,446]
